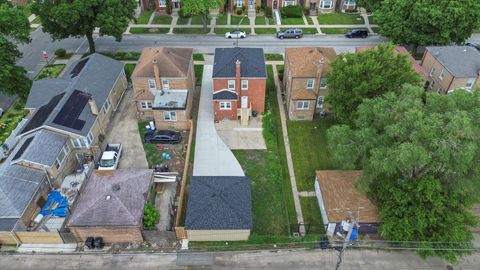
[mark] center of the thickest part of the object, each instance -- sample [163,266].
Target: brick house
[451,67]
[160,5]
[163,84]
[304,80]
[239,82]
[277,4]
[249,4]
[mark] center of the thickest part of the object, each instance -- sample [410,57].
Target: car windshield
[107,162]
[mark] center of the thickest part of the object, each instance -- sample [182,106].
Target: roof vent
[116,187]
[107,198]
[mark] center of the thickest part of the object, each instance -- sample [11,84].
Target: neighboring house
[348,5]
[219,208]
[452,67]
[249,4]
[164,83]
[111,205]
[78,105]
[322,6]
[277,4]
[160,5]
[337,195]
[304,80]
[239,83]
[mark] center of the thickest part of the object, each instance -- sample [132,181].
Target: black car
[357,33]
[290,33]
[474,45]
[163,136]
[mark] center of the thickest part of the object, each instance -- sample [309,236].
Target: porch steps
[277,18]
[47,248]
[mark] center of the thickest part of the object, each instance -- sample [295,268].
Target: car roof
[165,132]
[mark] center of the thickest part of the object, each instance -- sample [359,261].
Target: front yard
[50,71]
[340,18]
[10,119]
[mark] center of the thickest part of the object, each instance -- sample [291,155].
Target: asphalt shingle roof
[219,203]
[252,62]
[45,147]
[225,95]
[460,61]
[43,91]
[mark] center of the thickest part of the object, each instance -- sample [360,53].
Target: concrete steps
[47,248]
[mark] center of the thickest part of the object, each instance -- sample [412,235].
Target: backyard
[10,119]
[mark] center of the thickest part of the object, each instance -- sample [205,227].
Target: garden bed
[50,71]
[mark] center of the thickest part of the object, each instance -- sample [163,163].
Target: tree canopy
[419,153]
[368,74]
[201,7]
[76,18]
[427,22]
[14,27]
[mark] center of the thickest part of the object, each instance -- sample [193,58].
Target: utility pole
[346,239]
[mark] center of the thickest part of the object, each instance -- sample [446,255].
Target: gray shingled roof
[225,95]
[252,62]
[112,198]
[460,61]
[44,90]
[219,203]
[45,147]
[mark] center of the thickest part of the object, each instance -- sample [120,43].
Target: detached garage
[111,206]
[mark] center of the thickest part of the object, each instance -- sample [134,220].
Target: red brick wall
[222,114]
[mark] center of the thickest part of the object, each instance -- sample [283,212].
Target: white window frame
[289,3]
[64,153]
[165,84]
[170,116]
[469,84]
[322,98]
[326,4]
[146,105]
[310,83]
[440,90]
[231,84]
[107,105]
[432,72]
[301,104]
[90,138]
[152,82]
[239,3]
[225,105]
[323,83]
[244,84]
[162,3]
[79,143]
[441,75]
[432,83]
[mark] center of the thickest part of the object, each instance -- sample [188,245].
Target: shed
[111,206]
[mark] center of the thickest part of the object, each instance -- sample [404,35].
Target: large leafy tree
[76,18]
[370,5]
[201,8]
[368,74]
[14,27]
[428,22]
[419,153]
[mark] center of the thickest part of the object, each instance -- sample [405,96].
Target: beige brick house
[304,80]
[163,84]
[451,67]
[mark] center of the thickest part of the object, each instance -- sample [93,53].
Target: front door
[275,4]
[245,102]
[251,4]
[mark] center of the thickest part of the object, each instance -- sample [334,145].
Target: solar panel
[78,68]
[71,110]
[23,148]
[42,114]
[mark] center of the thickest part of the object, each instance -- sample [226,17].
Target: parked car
[235,34]
[110,157]
[163,136]
[474,45]
[290,33]
[357,33]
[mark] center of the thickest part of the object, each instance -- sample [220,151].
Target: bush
[268,12]
[169,8]
[150,216]
[244,8]
[292,11]
[306,11]
[183,14]
[61,53]
[258,8]
[239,12]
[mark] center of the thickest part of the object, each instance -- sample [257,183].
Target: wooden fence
[12,238]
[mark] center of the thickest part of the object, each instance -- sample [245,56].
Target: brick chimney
[156,73]
[237,77]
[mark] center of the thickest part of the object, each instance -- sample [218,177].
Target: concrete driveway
[241,137]
[123,128]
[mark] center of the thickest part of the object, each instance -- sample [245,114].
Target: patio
[238,137]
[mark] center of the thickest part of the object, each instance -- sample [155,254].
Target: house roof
[252,62]
[171,62]
[460,61]
[225,94]
[340,195]
[170,99]
[219,203]
[112,198]
[304,62]
[43,91]
[44,148]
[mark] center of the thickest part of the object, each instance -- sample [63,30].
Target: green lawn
[260,20]
[37,20]
[197,20]
[334,31]
[151,30]
[236,19]
[154,157]
[10,119]
[198,57]
[50,71]
[293,21]
[162,19]
[123,56]
[190,31]
[222,19]
[222,31]
[339,18]
[273,57]
[128,70]
[271,21]
[309,150]
[265,31]
[309,31]
[144,17]
[310,20]
[182,21]
[311,215]
[198,74]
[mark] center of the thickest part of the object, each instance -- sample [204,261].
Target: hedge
[292,11]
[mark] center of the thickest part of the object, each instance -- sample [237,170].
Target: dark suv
[357,33]
[290,33]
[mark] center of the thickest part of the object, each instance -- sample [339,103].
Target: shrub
[150,216]
[268,12]
[258,8]
[169,8]
[244,8]
[183,14]
[60,53]
[239,12]
[291,11]
[306,11]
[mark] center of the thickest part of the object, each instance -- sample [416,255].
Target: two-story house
[250,5]
[160,5]
[451,67]
[277,4]
[304,80]
[239,83]
[163,84]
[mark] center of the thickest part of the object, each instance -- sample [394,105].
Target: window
[170,116]
[323,83]
[162,3]
[289,3]
[440,90]
[80,143]
[61,156]
[231,84]
[90,138]
[432,71]
[151,84]
[320,102]
[239,3]
[166,84]
[244,84]
[310,83]
[432,83]
[107,105]
[146,104]
[469,84]
[441,74]
[225,106]
[303,105]
[326,4]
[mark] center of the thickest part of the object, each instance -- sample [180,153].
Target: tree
[428,22]
[368,74]
[76,18]
[419,153]
[14,27]
[370,5]
[150,216]
[201,8]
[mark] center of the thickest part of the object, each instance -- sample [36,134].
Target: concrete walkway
[293,181]
[212,156]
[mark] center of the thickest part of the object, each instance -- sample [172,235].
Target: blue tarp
[60,210]
[354,234]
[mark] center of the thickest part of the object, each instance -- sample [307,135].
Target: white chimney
[93,106]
